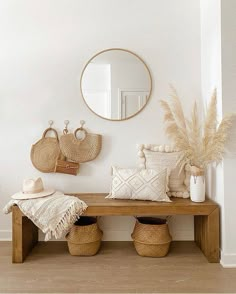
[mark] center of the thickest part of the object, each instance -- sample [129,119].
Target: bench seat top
[206,220]
[100,206]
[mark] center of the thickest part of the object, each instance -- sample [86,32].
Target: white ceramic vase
[197,188]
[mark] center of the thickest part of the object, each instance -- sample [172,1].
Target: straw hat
[32,188]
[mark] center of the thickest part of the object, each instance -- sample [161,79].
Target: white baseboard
[228,260]
[111,235]
[5,235]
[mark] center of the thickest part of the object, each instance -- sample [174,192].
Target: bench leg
[207,235]
[24,236]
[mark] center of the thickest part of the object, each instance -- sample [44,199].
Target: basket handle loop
[50,129]
[81,129]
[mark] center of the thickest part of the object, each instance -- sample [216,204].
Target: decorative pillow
[159,156]
[145,184]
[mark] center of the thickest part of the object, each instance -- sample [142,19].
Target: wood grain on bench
[206,220]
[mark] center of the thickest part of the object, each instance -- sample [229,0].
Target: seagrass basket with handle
[81,150]
[84,238]
[151,237]
[45,152]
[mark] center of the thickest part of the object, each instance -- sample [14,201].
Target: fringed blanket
[54,215]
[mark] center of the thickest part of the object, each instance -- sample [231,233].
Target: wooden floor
[116,269]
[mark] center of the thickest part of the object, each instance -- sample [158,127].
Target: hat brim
[24,196]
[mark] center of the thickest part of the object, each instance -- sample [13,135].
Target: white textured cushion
[157,157]
[146,184]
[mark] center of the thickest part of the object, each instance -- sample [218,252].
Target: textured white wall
[44,46]
[218,47]
[211,78]
[228,32]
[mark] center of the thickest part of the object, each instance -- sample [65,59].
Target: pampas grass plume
[201,144]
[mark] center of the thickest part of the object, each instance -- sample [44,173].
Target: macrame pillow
[145,184]
[159,156]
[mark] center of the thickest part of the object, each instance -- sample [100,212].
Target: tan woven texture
[81,150]
[152,250]
[88,249]
[45,152]
[151,237]
[85,240]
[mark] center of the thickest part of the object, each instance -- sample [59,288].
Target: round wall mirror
[116,84]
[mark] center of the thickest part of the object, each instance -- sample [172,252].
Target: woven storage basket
[81,150]
[151,237]
[85,237]
[45,152]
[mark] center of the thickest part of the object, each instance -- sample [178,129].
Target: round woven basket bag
[81,150]
[45,152]
[151,237]
[84,239]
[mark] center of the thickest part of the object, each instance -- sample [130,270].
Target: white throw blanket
[54,214]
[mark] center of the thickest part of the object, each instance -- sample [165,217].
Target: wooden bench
[206,221]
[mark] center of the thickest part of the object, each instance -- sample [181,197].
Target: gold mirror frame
[145,65]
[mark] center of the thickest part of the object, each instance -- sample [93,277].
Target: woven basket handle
[48,130]
[80,130]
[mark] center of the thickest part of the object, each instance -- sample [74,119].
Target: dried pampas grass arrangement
[201,143]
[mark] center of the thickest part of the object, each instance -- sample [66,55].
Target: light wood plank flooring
[116,269]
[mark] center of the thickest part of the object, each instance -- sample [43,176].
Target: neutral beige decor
[66,167]
[151,237]
[32,188]
[85,237]
[81,150]
[54,214]
[45,152]
[202,143]
[164,156]
[146,184]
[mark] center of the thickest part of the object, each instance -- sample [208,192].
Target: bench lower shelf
[206,221]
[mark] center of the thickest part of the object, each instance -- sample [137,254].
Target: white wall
[228,32]
[218,47]
[211,78]
[44,46]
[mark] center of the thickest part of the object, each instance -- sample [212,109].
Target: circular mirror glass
[116,84]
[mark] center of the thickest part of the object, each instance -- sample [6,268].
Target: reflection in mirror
[116,84]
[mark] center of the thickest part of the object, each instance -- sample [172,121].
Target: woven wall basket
[82,150]
[84,239]
[45,152]
[151,237]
